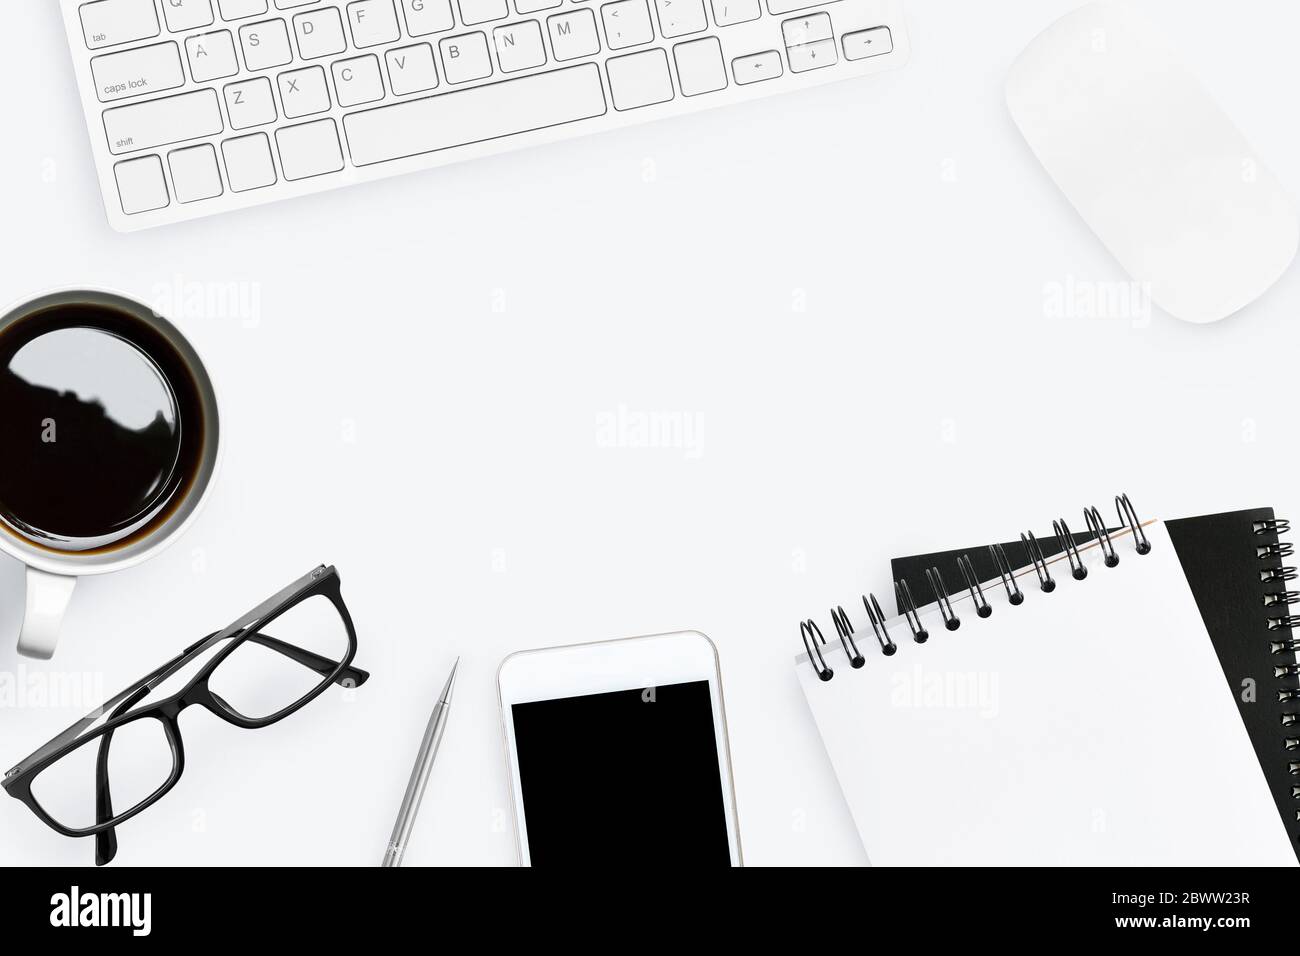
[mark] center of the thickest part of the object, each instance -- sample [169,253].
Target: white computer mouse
[1154,166]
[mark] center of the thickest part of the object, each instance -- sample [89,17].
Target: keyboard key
[357,81]
[532,6]
[627,23]
[481,11]
[172,119]
[304,92]
[110,22]
[778,7]
[187,14]
[519,46]
[248,162]
[265,44]
[411,69]
[146,69]
[812,56]
[212,56]
[639,79]
[373,22]
[471,116]
[677,18]
[311,149]
[727,12]
[874,42]
[427,16]
[809,29]
[319,33]
[250,103]
[573,34]
[195,174]
[141,185]
[756,67]
[700,67]
[465,57]
[290,4]
[238,9]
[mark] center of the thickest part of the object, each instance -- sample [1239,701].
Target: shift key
[171,119]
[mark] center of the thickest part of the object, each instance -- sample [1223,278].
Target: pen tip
[451,682]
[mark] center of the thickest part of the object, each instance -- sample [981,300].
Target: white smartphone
[618,753]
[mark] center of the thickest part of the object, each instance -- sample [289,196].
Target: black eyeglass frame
[320,581]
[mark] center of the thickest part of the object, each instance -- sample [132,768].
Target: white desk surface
[846,294]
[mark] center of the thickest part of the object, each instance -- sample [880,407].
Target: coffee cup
[109,441]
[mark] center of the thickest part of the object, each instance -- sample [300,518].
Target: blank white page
[1088,726]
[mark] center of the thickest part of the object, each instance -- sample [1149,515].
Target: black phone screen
[629,777]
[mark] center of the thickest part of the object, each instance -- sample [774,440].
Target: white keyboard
[202,106]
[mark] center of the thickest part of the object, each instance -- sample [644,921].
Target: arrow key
[812,56]
[756,67]
[874,42]
[804,30]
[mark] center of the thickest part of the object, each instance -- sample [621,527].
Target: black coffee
[101,427]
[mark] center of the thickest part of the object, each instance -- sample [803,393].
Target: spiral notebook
[1233,562]
[1072,711]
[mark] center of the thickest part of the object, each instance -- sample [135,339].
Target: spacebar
[471,116]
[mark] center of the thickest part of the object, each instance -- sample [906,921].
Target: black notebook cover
[1221,557]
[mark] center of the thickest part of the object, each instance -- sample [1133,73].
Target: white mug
[52,573]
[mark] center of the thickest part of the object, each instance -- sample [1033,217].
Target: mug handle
[47,600]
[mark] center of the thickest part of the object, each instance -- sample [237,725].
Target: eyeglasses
[128,756]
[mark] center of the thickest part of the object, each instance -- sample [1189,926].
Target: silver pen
[420,774]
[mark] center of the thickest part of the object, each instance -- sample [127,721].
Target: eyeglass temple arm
[85,723]
[348,677]
[106,840]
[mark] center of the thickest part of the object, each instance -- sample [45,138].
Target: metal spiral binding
[845,630]
[1077,570]
[1045,582]
[877,618]
[814,641]
[1014,595]
[807,630]
[1099,532]
[1129,515]
[903,593]
[982,607]
[950,619]
[1287,673]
